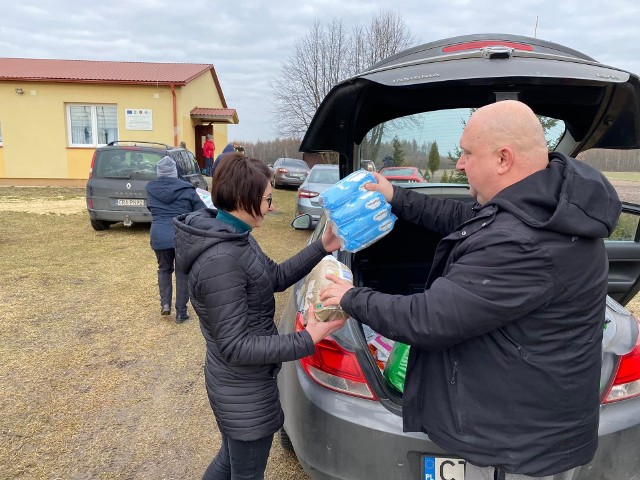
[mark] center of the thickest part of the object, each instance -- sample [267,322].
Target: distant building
[54,113]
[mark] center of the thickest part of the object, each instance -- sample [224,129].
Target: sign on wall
[138,119]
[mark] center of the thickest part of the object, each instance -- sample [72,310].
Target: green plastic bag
[396,368]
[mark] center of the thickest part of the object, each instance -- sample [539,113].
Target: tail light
[486,43]
[627,381]
[302,193]
[335,368]
[93,163]
[282,170]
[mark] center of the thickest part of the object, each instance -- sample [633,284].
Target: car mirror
[302,222]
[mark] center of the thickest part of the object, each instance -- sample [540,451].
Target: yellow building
[54,113]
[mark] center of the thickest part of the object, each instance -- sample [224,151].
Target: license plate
[129,202]
[440,468]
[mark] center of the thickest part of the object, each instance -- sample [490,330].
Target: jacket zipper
[520,350]
[457,407]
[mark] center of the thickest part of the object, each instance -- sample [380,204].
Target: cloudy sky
[247,40]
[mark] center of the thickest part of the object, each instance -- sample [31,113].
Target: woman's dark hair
[239,183]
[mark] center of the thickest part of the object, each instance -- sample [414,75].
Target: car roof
[599,104]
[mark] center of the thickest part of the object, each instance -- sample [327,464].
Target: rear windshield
[324,175]
[398,171]
[292,162]
[124,163]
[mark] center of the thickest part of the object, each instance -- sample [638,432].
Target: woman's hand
[330,240]
[319,330]
[383,186]
[333,293]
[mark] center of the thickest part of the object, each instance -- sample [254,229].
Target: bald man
[504,365]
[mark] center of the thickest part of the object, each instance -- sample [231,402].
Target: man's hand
[319,330]
[333,293]
[383,186]
[330,240]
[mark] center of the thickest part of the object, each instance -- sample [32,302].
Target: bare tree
[324,57]
[385,35]
[317,63]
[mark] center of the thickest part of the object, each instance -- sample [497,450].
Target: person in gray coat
[232,284]
[167,197]
[504,365]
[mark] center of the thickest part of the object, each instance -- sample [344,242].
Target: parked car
[120,170]
[320,178]
[399,175]
[342,418]
[290,172]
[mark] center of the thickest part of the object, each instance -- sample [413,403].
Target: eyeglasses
[269,200]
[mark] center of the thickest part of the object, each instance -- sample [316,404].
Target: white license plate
[130,202]
[440,468]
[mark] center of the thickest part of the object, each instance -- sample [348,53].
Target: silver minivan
[120,170]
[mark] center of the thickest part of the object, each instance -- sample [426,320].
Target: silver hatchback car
[320,178]
[343,418]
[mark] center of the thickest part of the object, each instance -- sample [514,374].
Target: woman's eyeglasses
[269,200]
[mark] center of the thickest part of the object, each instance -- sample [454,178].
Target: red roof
[88,71]
[227,114]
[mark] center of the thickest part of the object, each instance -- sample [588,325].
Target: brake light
[302,193]
[627,381]
[93,162]
[282,170]
[486,43]
[335,368]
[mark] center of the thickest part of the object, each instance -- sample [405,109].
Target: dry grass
[94,383]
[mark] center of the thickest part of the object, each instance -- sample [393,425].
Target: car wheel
[273,182]
[100,225]
[285,441]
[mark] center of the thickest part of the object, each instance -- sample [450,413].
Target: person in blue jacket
[167,197]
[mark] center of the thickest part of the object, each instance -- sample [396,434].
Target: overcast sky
[247,40]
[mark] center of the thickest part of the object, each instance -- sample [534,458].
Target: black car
[343,417]
[119,173]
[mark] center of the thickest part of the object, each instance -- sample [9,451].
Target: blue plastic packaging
[361,205]
[344,190]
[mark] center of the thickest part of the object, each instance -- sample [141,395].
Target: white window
[92,125]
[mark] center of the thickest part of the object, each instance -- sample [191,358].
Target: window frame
[94,124]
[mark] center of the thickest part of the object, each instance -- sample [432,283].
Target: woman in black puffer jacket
[231,284]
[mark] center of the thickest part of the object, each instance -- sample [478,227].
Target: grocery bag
[396,368]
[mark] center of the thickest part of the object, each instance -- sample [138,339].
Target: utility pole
[535,30]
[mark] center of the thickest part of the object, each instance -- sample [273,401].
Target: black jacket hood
[568,197]
[199,231]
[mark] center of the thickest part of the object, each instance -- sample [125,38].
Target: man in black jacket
[505,340]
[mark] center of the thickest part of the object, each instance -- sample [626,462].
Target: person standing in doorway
[167,197]
[207,152]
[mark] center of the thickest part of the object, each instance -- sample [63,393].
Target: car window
[292,162]
[125,163]
[409,141]
[324,175]
[397,171]
[184,163]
